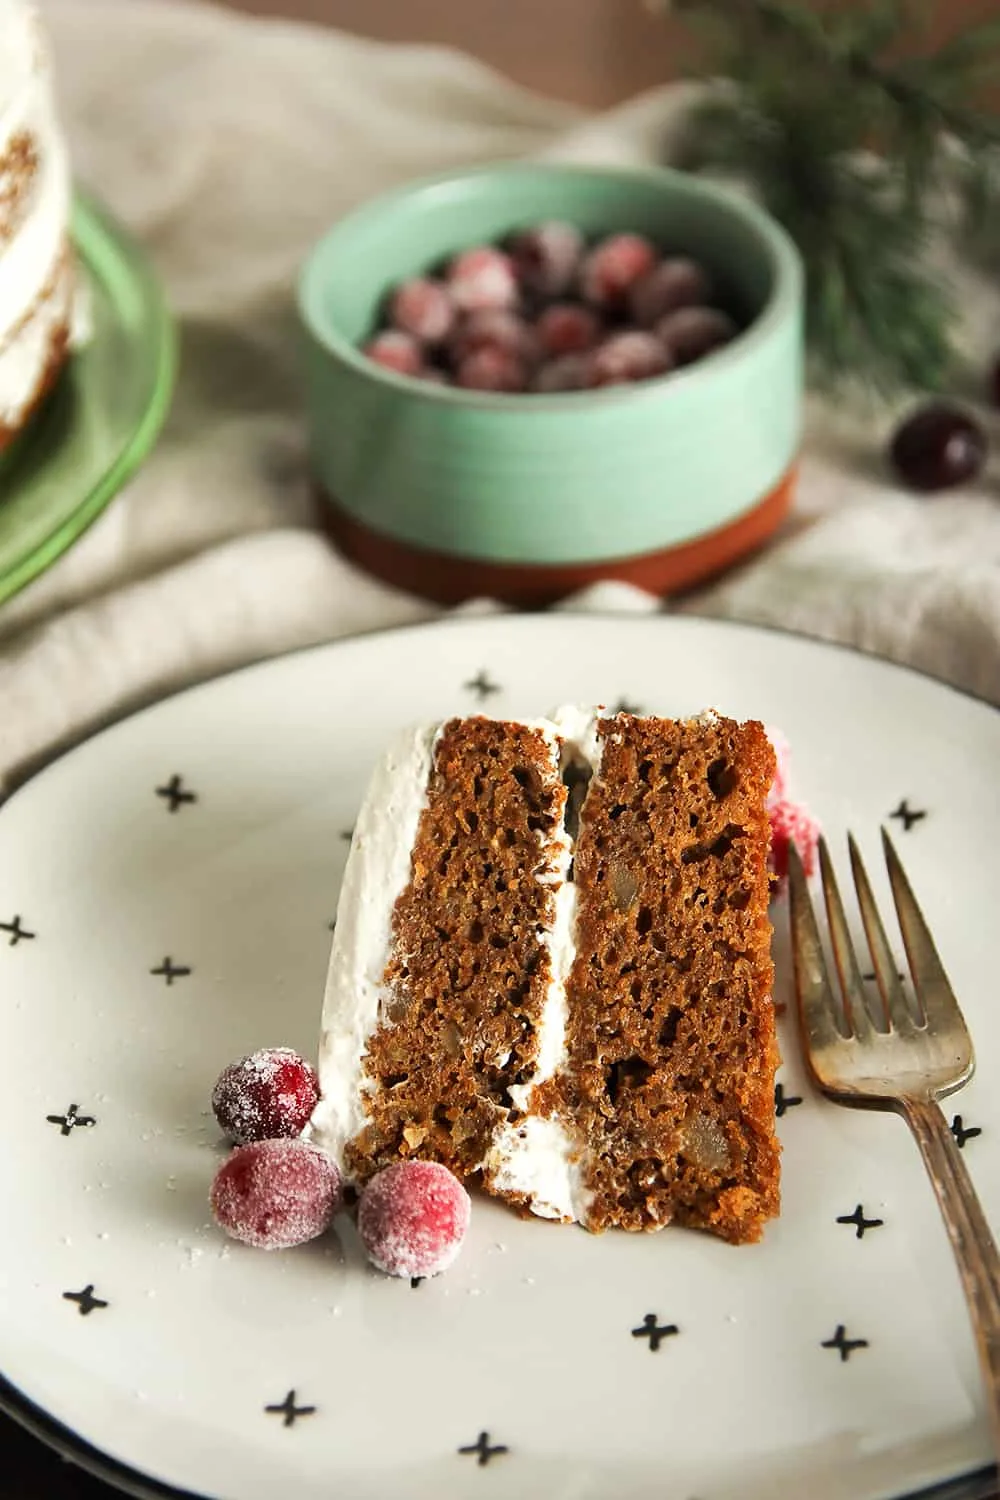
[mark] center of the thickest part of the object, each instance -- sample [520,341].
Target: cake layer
[34,354]
[672,1054]
[551,970]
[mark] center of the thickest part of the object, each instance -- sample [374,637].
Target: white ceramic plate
[152,945]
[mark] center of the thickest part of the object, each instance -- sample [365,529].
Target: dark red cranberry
[938,446]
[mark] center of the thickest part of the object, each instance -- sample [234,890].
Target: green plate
[104,414]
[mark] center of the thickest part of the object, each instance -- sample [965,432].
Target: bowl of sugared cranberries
[525,379]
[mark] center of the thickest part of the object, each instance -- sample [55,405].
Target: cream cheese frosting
[36,296]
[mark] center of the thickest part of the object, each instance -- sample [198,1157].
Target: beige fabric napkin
[228,144]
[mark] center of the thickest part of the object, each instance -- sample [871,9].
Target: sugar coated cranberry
[673,283]
[938,446]
[613,267]
[423,308]
[567,328]
[268,1094]
[692,332]
[546,257]
[275,1194]
[395,350]
[569,372]
[491,368]
[625,357]
[412,1218]
[791,823]
[482,277]
[498,328]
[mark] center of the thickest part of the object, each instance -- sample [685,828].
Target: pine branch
[816,90]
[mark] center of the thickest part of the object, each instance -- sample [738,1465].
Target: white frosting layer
[35,291]
[534,1159]
[377,873]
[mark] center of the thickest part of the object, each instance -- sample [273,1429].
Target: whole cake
[551,970]
[36,271]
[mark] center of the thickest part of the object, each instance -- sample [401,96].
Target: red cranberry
[791,823]
[422,308]
[482,277]
[412,1218]
[613,267]
[692,332]
[626,357]
[546,257]
[567,328]
[567,373]
[275,1194]
[497,328]
[491,368]
[675,282]
[395,350]
[938,446]
[268,1094]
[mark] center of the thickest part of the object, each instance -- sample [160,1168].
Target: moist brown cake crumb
[469,970]
[671,1040]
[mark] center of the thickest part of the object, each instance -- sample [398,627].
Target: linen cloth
[228,144]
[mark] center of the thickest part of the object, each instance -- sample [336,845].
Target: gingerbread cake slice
[551,970]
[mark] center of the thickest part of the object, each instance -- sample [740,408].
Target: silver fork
[895,1058]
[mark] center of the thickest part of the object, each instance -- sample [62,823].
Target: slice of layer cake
[551,970]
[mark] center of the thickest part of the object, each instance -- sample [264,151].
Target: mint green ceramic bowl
[580,479]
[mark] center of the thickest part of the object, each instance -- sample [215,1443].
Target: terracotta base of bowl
[449,579]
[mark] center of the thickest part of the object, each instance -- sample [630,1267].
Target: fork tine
[852,986]
[883,959]
[812,981]
[931,983]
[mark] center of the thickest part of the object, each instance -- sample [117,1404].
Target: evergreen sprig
[865,150]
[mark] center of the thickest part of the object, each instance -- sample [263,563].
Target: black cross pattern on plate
[626,706]
[288,1411]
[71,1120]
[784,1102]
[857,1218]
[963,1132]
[655,1332]
[175,793]
[170,971]
[85,1301]
[907,815]
[484,1449]
[347,834]
[482,686]
[17,932]
[415,1281]
[843,1344]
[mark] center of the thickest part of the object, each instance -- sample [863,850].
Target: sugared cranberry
[567,373]
[412,1218]
[791,823]
[268,1094]
[673,283]
[692,332]
[567,328]
[497,328]
[546,257]
[275,1194]
[395,350]
[612,268]
[625,357]
[482,277]
[490,368]
[938,446]
[423,308]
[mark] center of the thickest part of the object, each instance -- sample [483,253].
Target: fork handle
[971,1239]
